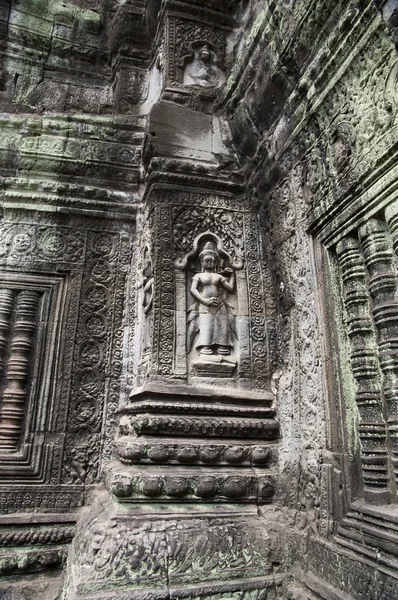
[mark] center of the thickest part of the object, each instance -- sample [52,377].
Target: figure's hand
[227,271]
[212,301]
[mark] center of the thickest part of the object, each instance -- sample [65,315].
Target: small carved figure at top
[211,315]
[203,69]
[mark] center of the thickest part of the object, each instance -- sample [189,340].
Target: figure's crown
[208,248]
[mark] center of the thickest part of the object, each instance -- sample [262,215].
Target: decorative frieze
[169,451]
[39,498]
[188,486]
[237,427]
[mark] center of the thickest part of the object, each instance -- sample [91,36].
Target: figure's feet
[206,350]
[224,350]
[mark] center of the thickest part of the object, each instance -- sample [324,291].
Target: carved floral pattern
[303,423]
[100,328]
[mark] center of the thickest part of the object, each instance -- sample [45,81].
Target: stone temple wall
[198,300]
[312,114]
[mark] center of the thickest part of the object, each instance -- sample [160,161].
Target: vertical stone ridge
[13,408]
[365,369]
[383,287]
[6,309]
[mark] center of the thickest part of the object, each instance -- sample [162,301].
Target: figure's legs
[224,350]
[206,350]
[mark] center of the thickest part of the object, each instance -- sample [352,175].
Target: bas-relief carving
[145,301]
[303,424]
[211,336]
[156,554]
[221,336]
[63,303]
[211,316]
[201,67]
[246,349]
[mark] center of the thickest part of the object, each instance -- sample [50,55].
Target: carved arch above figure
[199,241]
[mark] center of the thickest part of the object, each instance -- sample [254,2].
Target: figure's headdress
[208,249]
[205,50]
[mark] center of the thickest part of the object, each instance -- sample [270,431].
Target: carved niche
[201,66]
[241,323]
[209,291]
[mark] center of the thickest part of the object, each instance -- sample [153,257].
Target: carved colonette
[13,409]
[368,267]
[383,286]
[375,250]
[365,368]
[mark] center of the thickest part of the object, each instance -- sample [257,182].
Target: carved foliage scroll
[98,355]
[303,423]
[77,347]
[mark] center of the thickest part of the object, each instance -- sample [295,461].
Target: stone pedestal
[190,551]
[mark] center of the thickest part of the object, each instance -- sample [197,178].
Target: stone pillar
[383,287]
[365,369]
[6,308]
[12,412]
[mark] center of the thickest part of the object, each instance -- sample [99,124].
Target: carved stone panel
[62,294]
[236,333]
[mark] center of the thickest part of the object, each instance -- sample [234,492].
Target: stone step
[371,530]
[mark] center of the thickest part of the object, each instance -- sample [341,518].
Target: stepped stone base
[134,553]
[338,572]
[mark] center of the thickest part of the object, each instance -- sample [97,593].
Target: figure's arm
[148,296]
[229,284]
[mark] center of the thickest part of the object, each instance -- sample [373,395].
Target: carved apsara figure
[211,316]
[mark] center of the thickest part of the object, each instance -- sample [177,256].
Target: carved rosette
[96,386]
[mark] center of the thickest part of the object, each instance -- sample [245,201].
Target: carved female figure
[211,315]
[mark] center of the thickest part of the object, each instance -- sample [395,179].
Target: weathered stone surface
[198,300]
